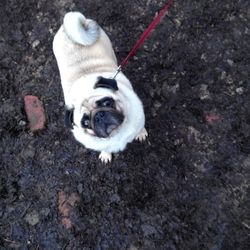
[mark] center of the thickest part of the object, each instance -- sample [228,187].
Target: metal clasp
[119,69]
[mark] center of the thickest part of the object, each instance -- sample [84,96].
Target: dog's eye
[85,122]
[106,102]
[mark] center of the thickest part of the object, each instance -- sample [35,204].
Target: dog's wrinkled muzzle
[105,120]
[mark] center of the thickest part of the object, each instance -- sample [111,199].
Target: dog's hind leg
[105,157]
[142,135]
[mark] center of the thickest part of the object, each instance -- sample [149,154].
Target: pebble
[195,134]
[223,75]
[177,22]
[115,198]
[32,218]
[148,230]
[35,43]
[204,92]
[28,152]
[61,104]
[57,143]
[166,89]
[204,57]
[80,188]
[230,62]
[22,123]
[45,211]
[132,247]
[157,105]
[239,90]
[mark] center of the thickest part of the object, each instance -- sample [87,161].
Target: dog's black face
[105,121]
[104,118]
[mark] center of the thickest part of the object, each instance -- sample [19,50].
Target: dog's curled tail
[81,30]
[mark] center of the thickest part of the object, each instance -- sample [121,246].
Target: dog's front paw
[142,135]
[105,157]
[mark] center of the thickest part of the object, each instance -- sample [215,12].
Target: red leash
[143,37]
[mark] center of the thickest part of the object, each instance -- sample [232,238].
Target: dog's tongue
[111,128]
[101,133]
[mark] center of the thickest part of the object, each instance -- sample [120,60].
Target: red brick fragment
[65,205]
[212,117]
[35,112]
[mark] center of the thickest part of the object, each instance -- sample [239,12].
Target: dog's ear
[69,118]
[106,83]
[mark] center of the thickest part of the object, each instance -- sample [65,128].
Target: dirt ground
[187,187]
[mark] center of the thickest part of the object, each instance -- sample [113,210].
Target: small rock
[177,22]
[157,105]
[152,92]
[32,218]
[178,142]
[155,78]
[7,107]
[22,123]
[148,230]
[153,112]
[115,198]
[195,134]
[132,247]
[35,43]
[229,79]
[45,212]
[204,57]
[57,143]
[61,104]
[80,188]
[239,90]
[204,92]
[223,75]
[28,152]
[230,62]
[168,90]
[14,245]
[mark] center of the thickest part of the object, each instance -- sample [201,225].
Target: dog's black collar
[106,83]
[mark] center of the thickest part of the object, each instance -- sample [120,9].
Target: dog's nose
[106,121]
[100,116]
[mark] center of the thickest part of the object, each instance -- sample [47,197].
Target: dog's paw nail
[142,135]
[105,157]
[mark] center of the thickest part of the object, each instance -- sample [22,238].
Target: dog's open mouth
[105,120]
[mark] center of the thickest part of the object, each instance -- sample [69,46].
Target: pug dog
[104,114]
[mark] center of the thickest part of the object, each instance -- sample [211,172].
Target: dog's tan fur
[80,65]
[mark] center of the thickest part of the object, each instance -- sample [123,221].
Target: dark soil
[187,187]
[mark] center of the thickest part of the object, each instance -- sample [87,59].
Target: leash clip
[119,69]
[143,37]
